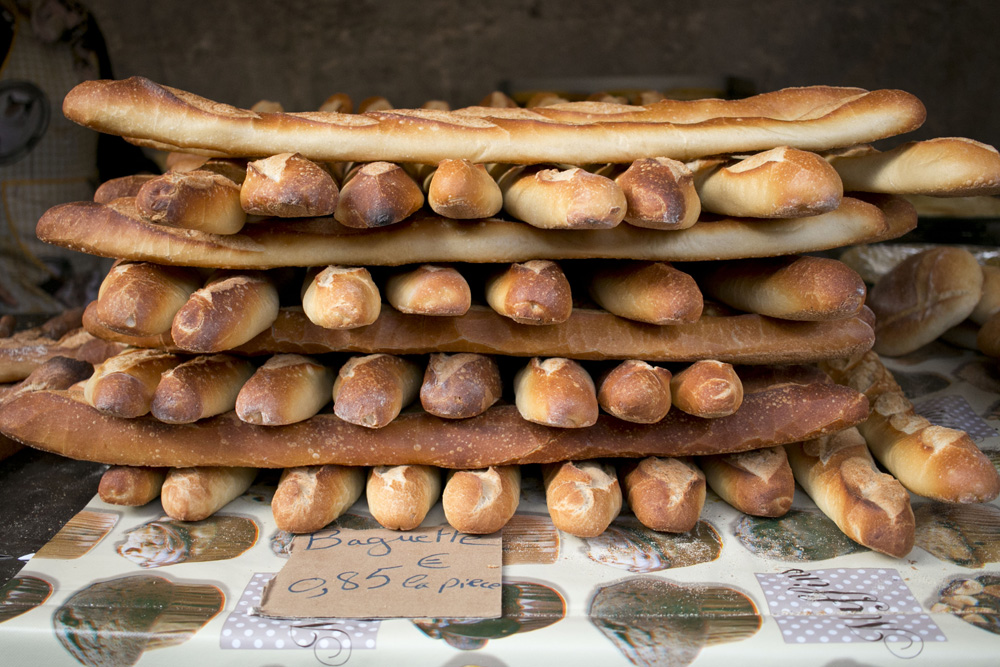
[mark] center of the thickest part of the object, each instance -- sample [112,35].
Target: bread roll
[929,460]
[377,194]
[583,497]
[535,292]
[653,292]
[200,200]
[342,297]
[458,386]
[141,299]
[556,392]
[562,198]
[371,390]
[790,288]
[707,388]
[665,494]
[131,486]
[943,167]
[228,311]
[636,391]
[462,190]
[660,194]
[481,501]
[288,186]
[429,289]
[989,302]
[288,388]
[309,498]
[924,296]
[399,497]
[193,494]
[123,186]
[870,507]
[123,386]
[758,482]
[779,183]
[200,388]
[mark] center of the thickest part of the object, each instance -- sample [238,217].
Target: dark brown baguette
[791,405]
[587,334]
[816,118]
[116,230]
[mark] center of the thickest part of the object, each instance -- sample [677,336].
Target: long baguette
[371,390]
[459,386]
[809,118]
[228,311]
[660,194]
[562,198]
[635,391]
[377,194]
[341,297]
[587,334]
[464,191]
[310,497]
[124,385]
[653,292]
[556,392]
[933,461]
[26,350]
[142,298]
[758,482]
[870,507]
[708,389]
[201,200]
[784,410]
[116,230]
[200,387]
[429,289]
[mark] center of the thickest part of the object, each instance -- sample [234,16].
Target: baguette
[636,391]
[933,461]
[924,296]
[784,409]
[587,334]
[791,288]
[55,373]
[665,494]
[653,292]
[228,311]
[659,194]
[556,392]
[708,389]
[462,190]
[124,385]
[193,494]
[429,289]
[988,338]
[341,297]
[235,169]
[870,507]
[123,186]
[116,230]
[562,198]
[309,498]
[371,390]
[942,167]
[141,299]
[339,103]
[288,388]
[816,118]
[780,183]
[374,103]
[288,186]
[201,200]
[459,386]
[583,497]
[498,99]
[399,497]
[535,292]
[200,387]
[481,501]
[130,486]
[25,351]
[377,194]
[758,482]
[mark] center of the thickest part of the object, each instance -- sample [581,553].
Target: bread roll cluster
[612,290]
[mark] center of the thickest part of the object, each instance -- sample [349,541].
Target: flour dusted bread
[201,200]
[481,501]
[399,497]
[288,186]
[758,482]
[583,497]
[142,298]
[200,387]
[458,386]
[310,497]
[556,392]
[562,198]
[341,297]
[193,494]
[287,388]
[124,385]
[635,391]
[228,311]
[666,495]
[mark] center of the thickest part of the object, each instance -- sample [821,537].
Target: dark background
[299,52]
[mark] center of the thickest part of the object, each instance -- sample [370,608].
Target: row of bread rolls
[371,390]
[655,193]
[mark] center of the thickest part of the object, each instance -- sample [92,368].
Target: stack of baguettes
[627,294]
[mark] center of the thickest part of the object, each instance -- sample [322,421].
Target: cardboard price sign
[377,573]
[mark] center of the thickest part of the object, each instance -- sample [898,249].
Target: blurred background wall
[299,52]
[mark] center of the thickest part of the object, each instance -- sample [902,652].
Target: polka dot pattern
[243,631]
[840,606]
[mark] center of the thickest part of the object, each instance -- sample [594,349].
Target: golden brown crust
[583,497]
[308,498]
[341,297]
[370,391]
[201,200]
[193,494]
[556,392]
[288,186]
[288,388]
[123,186]
[459,386]
[123,385]
[758,482]
[399,497]
[377,194]
[429,289]
[653,292]
[200,387]
[665,494]
[816,118]
[660,194]
[228,311]
[481,501]
[791,288]
[780,411]
[131,486]
[462,190]
[534,292]
[119,232]
[562,198]
[141,298]
[708,389]
[870,507]
[636,391]
[27,350]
